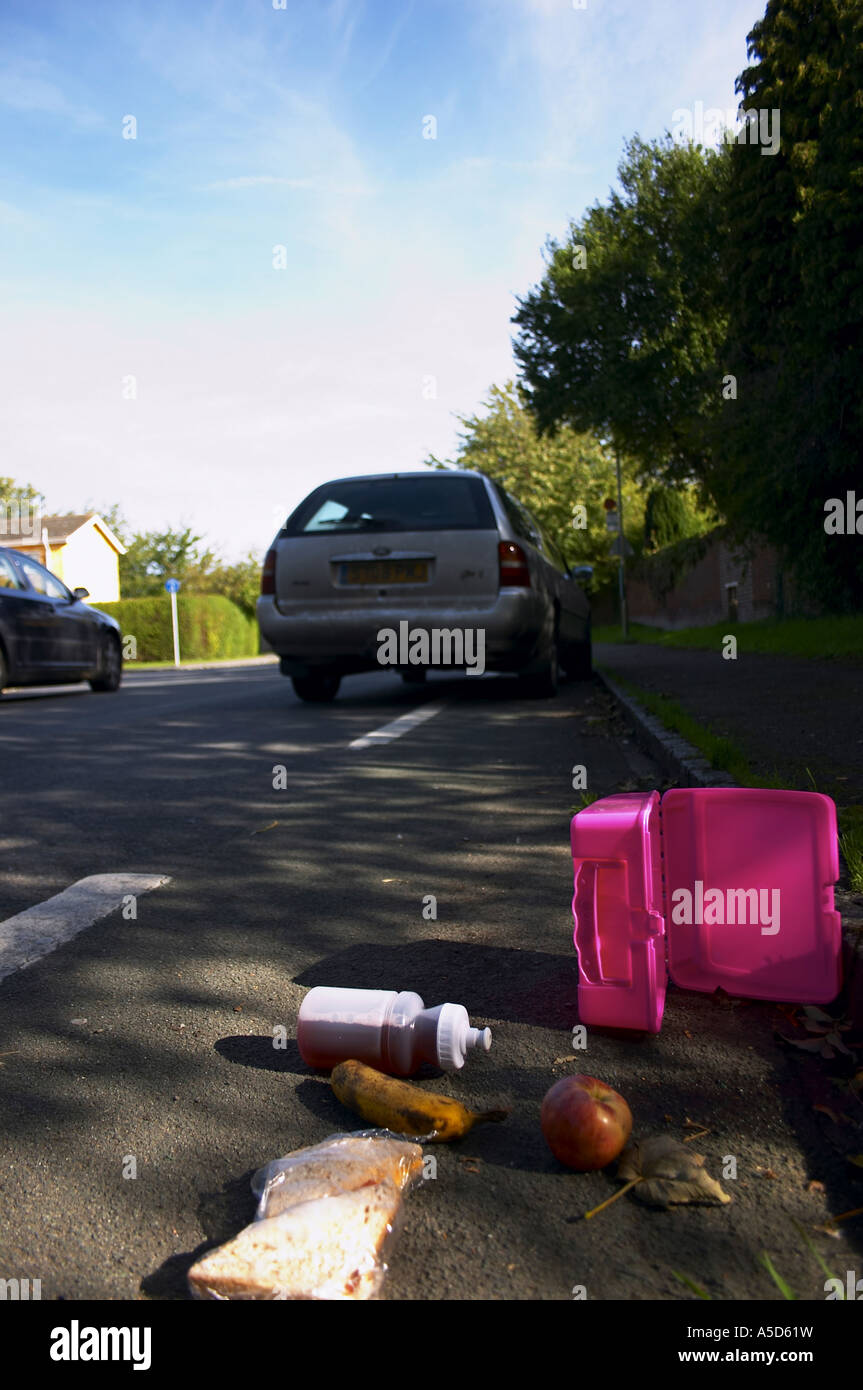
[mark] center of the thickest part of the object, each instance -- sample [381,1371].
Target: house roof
[60,528]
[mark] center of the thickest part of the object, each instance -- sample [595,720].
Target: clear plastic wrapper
[325,1220]
[341,1163]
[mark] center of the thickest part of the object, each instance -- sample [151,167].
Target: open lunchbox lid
[718,887]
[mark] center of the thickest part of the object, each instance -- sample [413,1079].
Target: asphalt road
[152,1038]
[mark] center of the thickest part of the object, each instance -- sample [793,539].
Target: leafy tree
[10,491]
[664,518]
[622,335]
[17,499]
[553,476]
[793,437]
[154,556]
[240,582]
[674,514]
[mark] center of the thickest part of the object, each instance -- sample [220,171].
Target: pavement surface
[145,1043]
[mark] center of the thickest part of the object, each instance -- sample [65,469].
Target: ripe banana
[403,1107]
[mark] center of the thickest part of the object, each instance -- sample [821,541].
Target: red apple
[585,1122]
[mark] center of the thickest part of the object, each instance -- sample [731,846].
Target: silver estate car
[368,571]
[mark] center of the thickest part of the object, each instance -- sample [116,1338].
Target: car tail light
[514,573]
[268,573]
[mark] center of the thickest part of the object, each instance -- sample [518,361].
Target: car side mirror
[81,593]
[582,573]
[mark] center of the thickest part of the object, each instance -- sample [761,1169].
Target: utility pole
[621,575]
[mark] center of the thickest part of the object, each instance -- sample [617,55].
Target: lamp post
[614,522]
[621,544]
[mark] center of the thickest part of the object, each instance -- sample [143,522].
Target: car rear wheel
[578,662]
[543,682]
[318,689]
[110,666]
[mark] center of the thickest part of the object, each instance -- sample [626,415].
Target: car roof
[407,473]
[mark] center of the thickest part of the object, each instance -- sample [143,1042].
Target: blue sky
[155,357]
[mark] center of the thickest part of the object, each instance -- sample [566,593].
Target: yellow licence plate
[384,572]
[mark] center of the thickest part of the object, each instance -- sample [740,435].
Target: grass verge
[720,752]
[815,639]
[724,755]
[129,667]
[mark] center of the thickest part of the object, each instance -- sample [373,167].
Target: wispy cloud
[152,257]
[26,88]
[316,184]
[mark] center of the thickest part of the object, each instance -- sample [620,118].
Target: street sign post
[172,586]
[620,545]
[621,574]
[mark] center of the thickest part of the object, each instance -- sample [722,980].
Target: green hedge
[211,626]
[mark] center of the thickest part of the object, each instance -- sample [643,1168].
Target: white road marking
[33,933]
[405,722]
[26,692]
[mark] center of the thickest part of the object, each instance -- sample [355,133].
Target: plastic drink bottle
[394,1032]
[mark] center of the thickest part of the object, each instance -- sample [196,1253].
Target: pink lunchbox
[714,886]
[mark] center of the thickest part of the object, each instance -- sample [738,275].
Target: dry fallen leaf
[668,1174]
[816,1016]
[826,1042]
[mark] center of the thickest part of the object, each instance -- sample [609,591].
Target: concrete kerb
[686,766]
[675,756]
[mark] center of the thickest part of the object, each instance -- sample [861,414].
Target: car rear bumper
[514,625]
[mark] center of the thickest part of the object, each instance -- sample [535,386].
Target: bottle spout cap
[479,1037]
[455,1037]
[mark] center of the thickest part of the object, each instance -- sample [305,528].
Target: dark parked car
[48,635]
[446,551]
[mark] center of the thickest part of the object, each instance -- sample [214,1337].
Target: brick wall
[727,582]
[696,599]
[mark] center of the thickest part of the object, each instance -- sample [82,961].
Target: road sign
[173,586]
[614,547]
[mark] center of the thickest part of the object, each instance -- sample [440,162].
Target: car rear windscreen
[434,503]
